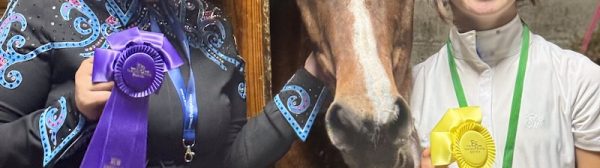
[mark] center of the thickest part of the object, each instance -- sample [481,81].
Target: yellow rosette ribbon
[460,137]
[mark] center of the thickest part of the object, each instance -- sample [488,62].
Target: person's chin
[484,7]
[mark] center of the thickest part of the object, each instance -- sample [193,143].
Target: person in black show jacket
[45,83]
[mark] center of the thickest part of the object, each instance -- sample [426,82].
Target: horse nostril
[342,117]
[334,107]
[404,118]
[401,105]
[341,114]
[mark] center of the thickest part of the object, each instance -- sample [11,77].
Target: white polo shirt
[560,106]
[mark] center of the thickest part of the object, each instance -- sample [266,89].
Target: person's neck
[465,22]
[490,45]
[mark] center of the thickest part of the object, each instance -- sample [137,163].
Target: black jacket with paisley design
[42,43]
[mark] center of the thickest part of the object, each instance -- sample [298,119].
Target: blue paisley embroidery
[114,10]
[50,123]
[208,34]
[296,105]
[116,21]
[88,25]
[212,37]
[54,123]
[242,90]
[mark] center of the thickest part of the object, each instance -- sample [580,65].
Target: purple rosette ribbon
[136,62]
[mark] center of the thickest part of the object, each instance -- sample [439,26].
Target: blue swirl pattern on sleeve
[50,123]
[294,111]
[242,90]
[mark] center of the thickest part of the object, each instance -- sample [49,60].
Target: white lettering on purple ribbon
[139,71]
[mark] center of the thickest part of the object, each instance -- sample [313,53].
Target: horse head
[364,46]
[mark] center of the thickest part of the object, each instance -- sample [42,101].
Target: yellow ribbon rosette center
[460,137]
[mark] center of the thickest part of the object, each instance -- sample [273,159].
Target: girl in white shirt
[557,123]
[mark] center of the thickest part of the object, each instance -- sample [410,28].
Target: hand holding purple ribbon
[136,62]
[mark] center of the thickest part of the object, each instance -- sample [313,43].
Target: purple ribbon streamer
[136,62]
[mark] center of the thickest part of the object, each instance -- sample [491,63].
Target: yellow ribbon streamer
[459,136]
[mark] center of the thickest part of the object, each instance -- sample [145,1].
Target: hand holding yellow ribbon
[459,136]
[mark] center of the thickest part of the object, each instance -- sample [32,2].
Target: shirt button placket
[485,97]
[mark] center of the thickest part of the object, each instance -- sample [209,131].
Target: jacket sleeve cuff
[59,125]
[300,101]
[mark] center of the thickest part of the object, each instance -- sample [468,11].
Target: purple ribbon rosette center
[136,62]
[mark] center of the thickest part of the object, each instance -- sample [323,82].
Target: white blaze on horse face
[377,83]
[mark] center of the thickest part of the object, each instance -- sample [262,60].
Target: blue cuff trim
[50,123]
[294,109]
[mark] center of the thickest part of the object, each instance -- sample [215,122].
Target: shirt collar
[488,46]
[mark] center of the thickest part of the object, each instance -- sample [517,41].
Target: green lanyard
[516,101]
